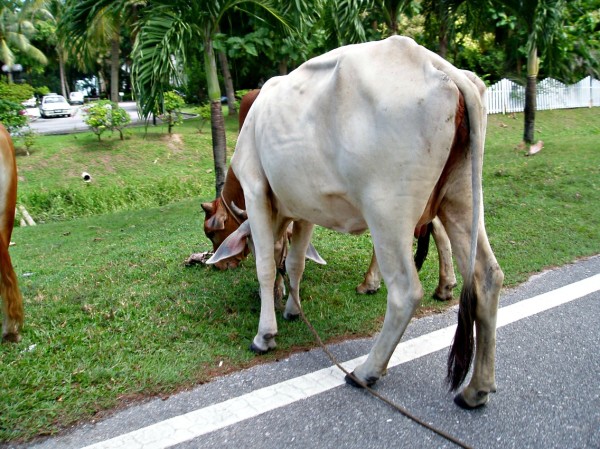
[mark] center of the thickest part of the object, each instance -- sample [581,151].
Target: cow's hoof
[11,337]
[291,316]
[256,350]
[444,294]
[352,380]
[363,289]
[480,400]
[440,297]
[262,345]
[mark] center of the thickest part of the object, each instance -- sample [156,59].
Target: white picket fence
[506,96]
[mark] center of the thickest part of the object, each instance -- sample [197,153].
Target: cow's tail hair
[461,352]
[423,247]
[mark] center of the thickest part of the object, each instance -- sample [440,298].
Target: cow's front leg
[372,281]
[294,264]
[263,243]
[267,325]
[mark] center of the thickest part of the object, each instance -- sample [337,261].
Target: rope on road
[359,382]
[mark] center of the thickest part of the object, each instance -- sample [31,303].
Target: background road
[548,375]
[66,125]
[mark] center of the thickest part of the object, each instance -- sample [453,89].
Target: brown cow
[12,302]
[225,214]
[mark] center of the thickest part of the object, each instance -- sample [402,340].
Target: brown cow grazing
[12,302]
[383,136]
[225,214]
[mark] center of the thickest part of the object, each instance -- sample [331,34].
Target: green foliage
[119,119]
[203,112]
[42,90]
[26,137]
[82,200]
[172,104]
[11,116]
[105,115]
[15,92]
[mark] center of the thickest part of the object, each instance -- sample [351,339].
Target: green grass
[147,169]
[112,314]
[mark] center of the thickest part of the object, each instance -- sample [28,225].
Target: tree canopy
[146,48]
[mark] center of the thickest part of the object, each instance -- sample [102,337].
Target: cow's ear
[232,245]
[216,222]
[208,207]
[312,254]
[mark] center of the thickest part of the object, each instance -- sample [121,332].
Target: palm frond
[160,50]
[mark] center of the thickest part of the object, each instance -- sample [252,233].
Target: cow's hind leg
[447,278]
[294,264]
[394,253]
[479,303]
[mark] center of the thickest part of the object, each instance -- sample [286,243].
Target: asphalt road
[548,375]
[67,125]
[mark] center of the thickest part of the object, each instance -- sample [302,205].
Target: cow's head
[220,223]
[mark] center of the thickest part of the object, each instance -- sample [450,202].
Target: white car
[54,105]
[76,97]
[31,103]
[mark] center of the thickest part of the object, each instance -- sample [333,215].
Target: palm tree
[50,11]
[15,31]
[95,27]
[541,20]
[390,11]
[169,30]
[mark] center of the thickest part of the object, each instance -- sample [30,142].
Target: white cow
[383,135]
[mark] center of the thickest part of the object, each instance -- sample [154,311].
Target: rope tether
[359,382]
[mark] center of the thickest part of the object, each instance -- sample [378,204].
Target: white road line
[217,416]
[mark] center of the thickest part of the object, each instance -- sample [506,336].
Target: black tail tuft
[461,352]
[423,247]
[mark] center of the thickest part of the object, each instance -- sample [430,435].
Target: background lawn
[113,315]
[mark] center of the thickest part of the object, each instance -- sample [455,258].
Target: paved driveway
[75,123]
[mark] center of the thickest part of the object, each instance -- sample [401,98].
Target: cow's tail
[423,247]
[462,349]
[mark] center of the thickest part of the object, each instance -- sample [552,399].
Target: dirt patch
[174,142]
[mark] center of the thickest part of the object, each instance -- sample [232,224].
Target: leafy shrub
[204,115]
[173,103]
[68,203]
[12,116]
[15,92]
[26,137]
[105,115]
[42,90]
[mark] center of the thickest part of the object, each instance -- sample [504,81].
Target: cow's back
[362,124]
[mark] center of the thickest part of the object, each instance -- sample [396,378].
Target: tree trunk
[63,78]
[530,96]
[530,106]
[283,66]
[443,40]
[216,117]
[114,67]
[228,83]
[101,84]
